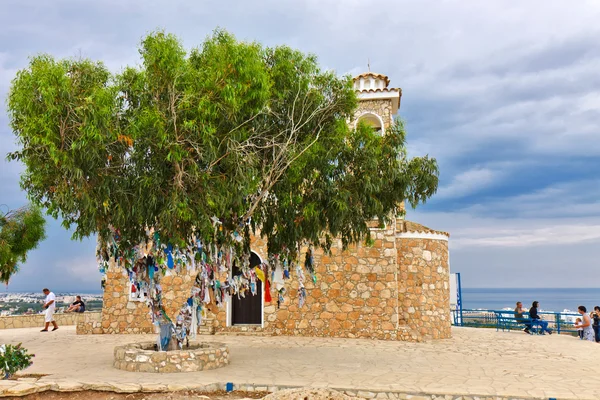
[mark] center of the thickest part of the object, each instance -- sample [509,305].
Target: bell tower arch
[378,103]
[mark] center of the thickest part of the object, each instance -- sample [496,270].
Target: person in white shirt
[49,306]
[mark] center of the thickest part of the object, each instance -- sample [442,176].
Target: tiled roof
[387,90]
[373,75]
[409,226]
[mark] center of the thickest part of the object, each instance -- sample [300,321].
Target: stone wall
[141,357]
[37,320]
[425,294]
[120,315]
[380,107]
[395,289]
[356,294]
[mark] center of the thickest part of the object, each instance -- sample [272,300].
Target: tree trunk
[173,344]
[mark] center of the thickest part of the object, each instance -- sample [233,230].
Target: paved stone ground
[180,395]
[474,362]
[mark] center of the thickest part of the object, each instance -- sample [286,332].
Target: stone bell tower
[378,103]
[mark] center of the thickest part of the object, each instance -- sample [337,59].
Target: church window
[373,120]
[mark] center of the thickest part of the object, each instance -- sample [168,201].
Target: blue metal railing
[558,322]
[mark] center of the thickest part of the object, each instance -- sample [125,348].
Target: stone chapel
[396,289]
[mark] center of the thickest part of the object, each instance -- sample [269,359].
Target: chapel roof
[373,75]
[409,226]
[384,90]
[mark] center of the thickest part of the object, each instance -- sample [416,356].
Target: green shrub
[13,359]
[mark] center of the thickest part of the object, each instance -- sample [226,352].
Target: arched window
[373,120]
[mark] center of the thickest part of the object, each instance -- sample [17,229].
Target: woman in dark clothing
[596,322]
[533,315]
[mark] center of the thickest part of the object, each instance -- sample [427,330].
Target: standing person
[50,306]
[533,314]
[596,323]
[579,330]
[588,332]
[520,318]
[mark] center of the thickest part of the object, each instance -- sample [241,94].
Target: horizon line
[529,287]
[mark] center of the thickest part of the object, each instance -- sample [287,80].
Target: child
[579,330]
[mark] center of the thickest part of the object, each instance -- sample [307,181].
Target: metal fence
[558,322]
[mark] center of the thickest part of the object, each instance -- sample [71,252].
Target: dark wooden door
[248,310]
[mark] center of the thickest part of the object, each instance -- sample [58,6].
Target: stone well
[141,357]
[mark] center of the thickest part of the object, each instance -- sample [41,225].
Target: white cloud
[468,230]
[548,237]
[83,269]
[498,234]
[516,252]
[562,200]
[467,183]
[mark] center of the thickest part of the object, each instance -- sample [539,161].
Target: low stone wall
[141,357]
[37,320]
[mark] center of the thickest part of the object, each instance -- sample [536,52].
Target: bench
[506,320]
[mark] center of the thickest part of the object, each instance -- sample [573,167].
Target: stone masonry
[356,294]
[141,357]
[423,268]
[373,291]
[396,289]
[37,320]
[382,108]
[119,315]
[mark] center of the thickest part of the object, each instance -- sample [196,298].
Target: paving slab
[473,362]
[21,389]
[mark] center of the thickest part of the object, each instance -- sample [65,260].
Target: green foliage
[13,359]
[20,231]
[342,183]
[233,130]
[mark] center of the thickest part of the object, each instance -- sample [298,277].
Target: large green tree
[205,148]
[254,136]
[21,230]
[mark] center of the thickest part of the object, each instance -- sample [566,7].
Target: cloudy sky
[506,95]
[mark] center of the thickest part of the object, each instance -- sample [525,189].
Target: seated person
[77,306]
[519,311]
[533,314]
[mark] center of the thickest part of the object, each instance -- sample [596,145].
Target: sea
[550,299]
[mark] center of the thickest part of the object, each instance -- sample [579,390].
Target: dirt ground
[183,395]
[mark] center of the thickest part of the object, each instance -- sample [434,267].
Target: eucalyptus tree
[21,230]
[253,139]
